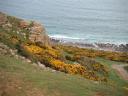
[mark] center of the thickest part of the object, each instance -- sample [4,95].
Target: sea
[84,21]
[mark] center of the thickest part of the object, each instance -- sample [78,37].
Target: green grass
[18,78]
[113,77]
[52,83]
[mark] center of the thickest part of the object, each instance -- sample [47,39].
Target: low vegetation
[78,71]
[80,52]
[68,59]
[55,59]
[18,78]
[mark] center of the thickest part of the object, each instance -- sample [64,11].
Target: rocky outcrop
[4,22]
[3,19]
[24,24]
[122,48]
[96,46]
[38,34]
[31,30]
[4,49]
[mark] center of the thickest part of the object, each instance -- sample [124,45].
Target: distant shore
[96,46]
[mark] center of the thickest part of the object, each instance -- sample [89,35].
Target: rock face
[3,19]
[38,34]
[24,24]
[34,31]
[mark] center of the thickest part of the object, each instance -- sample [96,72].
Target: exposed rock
[41,65]
[4,49]
[27,60]
[122,48]
[24,24]
[31,30]
[3,19]
[53,70]
[38,34]
[7,26]
[12,52]
[96,46]
[17,56]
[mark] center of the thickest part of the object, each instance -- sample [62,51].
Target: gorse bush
[70,60]
[33,49]
[51,58]
[80,52]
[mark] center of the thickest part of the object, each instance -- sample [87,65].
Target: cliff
[27,30]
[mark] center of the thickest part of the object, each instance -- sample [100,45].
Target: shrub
[81,52]
[15,40]
[33,49]
[50,57]
[69,57]
[68,68]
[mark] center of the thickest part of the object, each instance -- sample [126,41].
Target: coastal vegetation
[48,54]
[19,78]
[86,69]
[80,52]
[73,60]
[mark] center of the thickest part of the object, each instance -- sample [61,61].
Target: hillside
[20,78]
[31,65]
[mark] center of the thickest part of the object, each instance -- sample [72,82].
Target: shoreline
[95,46]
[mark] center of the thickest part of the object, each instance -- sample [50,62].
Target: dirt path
[121,71]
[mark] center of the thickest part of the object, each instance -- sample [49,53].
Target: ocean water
[103,21]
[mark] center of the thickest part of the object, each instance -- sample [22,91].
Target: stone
[38,34]
[17,57]
[4,49]
[23,58]
[24,24]
[7,26]
[3,19]
[34,64]
[27,60]
[53,70]
[41,65]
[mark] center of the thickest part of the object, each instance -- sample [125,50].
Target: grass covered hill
[20,78]
[31,65]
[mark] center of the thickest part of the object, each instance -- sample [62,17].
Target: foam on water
[64,38]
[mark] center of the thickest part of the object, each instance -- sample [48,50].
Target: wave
[86,40]
[63,37]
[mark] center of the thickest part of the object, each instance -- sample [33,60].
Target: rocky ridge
[34,31]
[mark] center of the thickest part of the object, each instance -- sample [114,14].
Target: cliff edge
[26,30]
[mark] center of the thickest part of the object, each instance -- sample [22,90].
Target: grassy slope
[113,77]
[20,79]
[112,73]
